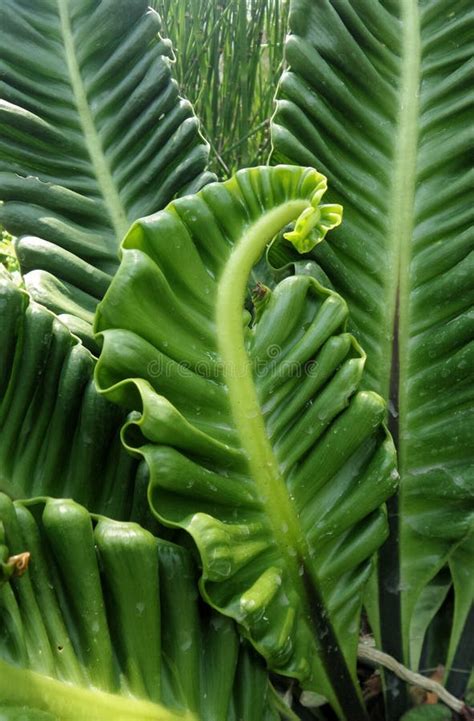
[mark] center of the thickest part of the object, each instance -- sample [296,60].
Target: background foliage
[233,100]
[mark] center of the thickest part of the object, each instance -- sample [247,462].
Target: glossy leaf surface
[93,135]
[106,624]
[58,436]
[257,440]
[377,97]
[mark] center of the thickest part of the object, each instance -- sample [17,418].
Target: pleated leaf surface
[58,435]
[378,97]
[93,135]
[106,624]
[257,440]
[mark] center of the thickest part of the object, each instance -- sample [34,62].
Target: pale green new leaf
[93,134]
[106,625]
[378,97]
[257,440]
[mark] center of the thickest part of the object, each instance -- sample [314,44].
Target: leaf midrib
[116,210]
[401,219]
[394,379]
[246,409]
[264,468]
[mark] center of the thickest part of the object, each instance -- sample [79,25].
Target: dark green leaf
[377,96]
[93,135]
[58,436]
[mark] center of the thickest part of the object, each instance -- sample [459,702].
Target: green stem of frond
[238,373]
[263,465]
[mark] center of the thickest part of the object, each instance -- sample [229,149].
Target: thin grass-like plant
[229,55]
